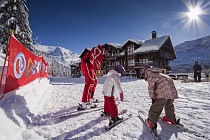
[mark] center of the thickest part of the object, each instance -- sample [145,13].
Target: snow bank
[18,107]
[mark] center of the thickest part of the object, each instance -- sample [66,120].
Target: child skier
[111,85]
[207,72]
[162,92]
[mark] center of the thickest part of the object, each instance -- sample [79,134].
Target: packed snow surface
[31,113]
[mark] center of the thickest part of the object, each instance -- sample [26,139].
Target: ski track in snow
[64,94]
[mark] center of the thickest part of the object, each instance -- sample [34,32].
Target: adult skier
[110,87]
[162,91]
[90,65]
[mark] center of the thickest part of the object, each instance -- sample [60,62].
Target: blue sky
[79,24]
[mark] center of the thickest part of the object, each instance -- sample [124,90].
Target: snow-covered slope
[44,103]
[189,52]
[59,54]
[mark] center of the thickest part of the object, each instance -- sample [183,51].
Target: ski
[75,113]
[80,107]
[108,128]
[120,113]
[153,132]
[179,126]
[184,129]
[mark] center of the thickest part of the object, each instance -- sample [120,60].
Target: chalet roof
[152,44]
[115,45]
[122,53]
[136,41]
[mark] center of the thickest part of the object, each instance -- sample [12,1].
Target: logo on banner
[29,67]
[19,65]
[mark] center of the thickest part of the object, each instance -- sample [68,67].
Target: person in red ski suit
[110,87]
[91,63]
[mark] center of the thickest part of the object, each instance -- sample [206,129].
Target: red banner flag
[23,66]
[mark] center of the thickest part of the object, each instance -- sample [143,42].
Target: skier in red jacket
[90,65]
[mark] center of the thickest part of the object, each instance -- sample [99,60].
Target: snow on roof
[122,53]
[152,44]
[115,45]
[134,40]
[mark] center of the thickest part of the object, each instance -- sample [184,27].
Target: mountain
[60,54]
[189,52]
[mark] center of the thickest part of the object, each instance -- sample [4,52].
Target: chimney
[154,34]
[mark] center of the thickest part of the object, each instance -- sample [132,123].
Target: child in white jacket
[111,86]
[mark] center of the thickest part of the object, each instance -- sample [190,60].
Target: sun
[192,17]
[194,13]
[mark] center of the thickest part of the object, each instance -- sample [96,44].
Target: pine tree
[14,14]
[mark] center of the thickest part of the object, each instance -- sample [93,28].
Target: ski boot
[115,121]
[84,106]
[152,126]
[93,100]
[105,114]
[174,122]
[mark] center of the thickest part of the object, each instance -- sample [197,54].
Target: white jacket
[206,71]
[112,84]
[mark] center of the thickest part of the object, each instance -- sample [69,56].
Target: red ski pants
[90,82]
[110,106]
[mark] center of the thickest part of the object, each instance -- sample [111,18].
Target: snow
[138,42]
[152,44]
[62,55]
[189,52]
[30,113]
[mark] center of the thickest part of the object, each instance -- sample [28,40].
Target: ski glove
[121,96]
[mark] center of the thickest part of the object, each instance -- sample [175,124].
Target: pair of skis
[179,126]
[76,112]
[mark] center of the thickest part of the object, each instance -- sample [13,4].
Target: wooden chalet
[157,51]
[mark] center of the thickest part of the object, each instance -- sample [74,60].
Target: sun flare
[194,13]
[192,18]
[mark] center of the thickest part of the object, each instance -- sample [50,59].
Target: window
[143,61]
[130,49]
[117,63]
[131,62]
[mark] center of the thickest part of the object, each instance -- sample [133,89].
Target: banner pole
[5,59]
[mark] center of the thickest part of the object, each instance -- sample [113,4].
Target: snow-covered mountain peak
[189,52]
[61,54]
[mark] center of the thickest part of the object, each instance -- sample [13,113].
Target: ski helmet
[120,69]
[144,68]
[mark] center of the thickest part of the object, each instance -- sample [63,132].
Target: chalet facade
[112,58]
[127,57]
[157,52]
[133,54]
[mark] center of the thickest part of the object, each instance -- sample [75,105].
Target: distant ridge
[189,52]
